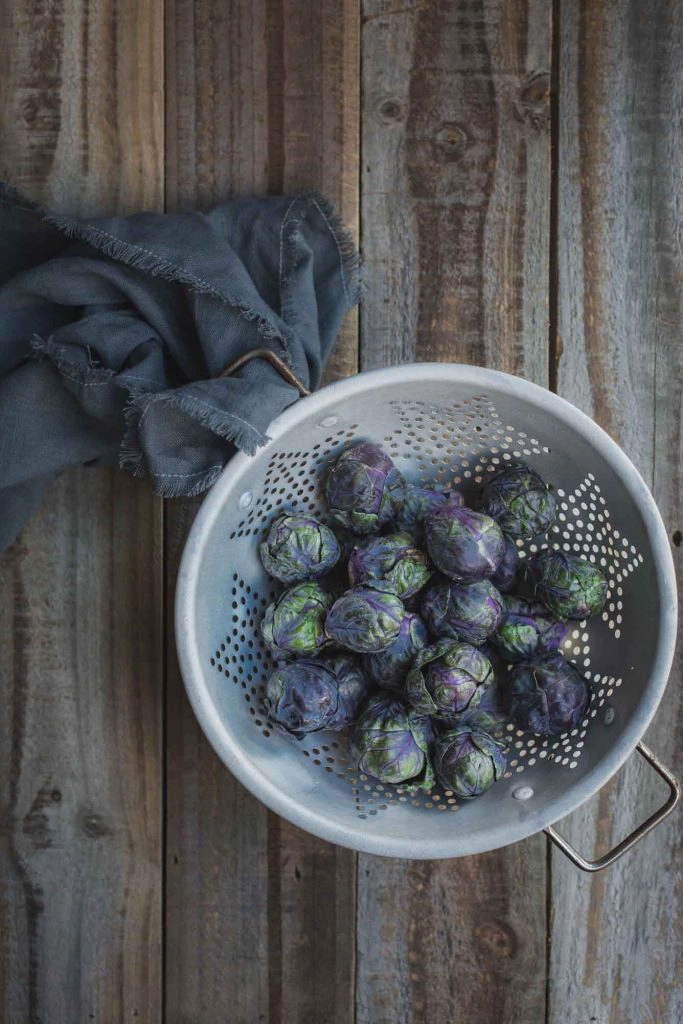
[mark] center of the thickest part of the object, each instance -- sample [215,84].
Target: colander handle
[270,357]
[637,834]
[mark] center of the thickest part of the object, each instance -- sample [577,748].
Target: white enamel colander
[447,424]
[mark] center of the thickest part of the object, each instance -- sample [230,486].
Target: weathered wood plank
[260,917]
[217,859]
[455,190]
[80,591]
[320,103]
[455,208]
[616,939]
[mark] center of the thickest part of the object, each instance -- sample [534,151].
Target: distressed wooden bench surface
[513,174]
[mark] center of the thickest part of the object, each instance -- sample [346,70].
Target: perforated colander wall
[458,443]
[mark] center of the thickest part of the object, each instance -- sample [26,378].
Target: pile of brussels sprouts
[416,626]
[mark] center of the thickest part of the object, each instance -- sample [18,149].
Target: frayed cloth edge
[220,422]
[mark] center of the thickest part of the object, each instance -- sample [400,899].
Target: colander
[447,424]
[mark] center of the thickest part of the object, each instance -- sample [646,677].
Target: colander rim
[369,838]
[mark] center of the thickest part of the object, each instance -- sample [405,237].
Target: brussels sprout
[393,558]
[462,611]
[569,586]
[302,696]
[364,489]
[366,619]
[487,711]
[463,544]
[505,576]
[468,761]
[294,623]
[445,677]
[353,687]
[389,668]
[547,695]
[418,502]
[391,743]
[519,501]
[526,630]
[298,547]
[317,693]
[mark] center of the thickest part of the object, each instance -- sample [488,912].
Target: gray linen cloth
[113,332]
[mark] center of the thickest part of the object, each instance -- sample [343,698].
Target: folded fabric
[114,331]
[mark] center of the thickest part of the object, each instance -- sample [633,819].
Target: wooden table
[513,173]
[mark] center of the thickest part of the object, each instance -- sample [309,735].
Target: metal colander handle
[642,830]
[280,365]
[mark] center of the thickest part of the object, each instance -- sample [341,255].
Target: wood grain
[456,184]
[260,917]
[82,103]
[80,591]
[455,208]
[616,939]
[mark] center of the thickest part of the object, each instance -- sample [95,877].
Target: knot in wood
[37,824]
[451,141]
[533,99]
[29,110]
[94,825]
[497,937]
[391,110]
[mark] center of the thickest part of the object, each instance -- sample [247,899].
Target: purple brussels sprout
[364,489]
[353,687]
[418,502]
[463,544]
[487,711]
[445,678]
[366,619]
[393,558]
[519,501]
[569,586]
[298,547]
[392,744]
[317,693]
[294,623]
[547,695]
[462,611]
[302,696]
[505,576]
[390,667]
[526,629]
[468,761]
